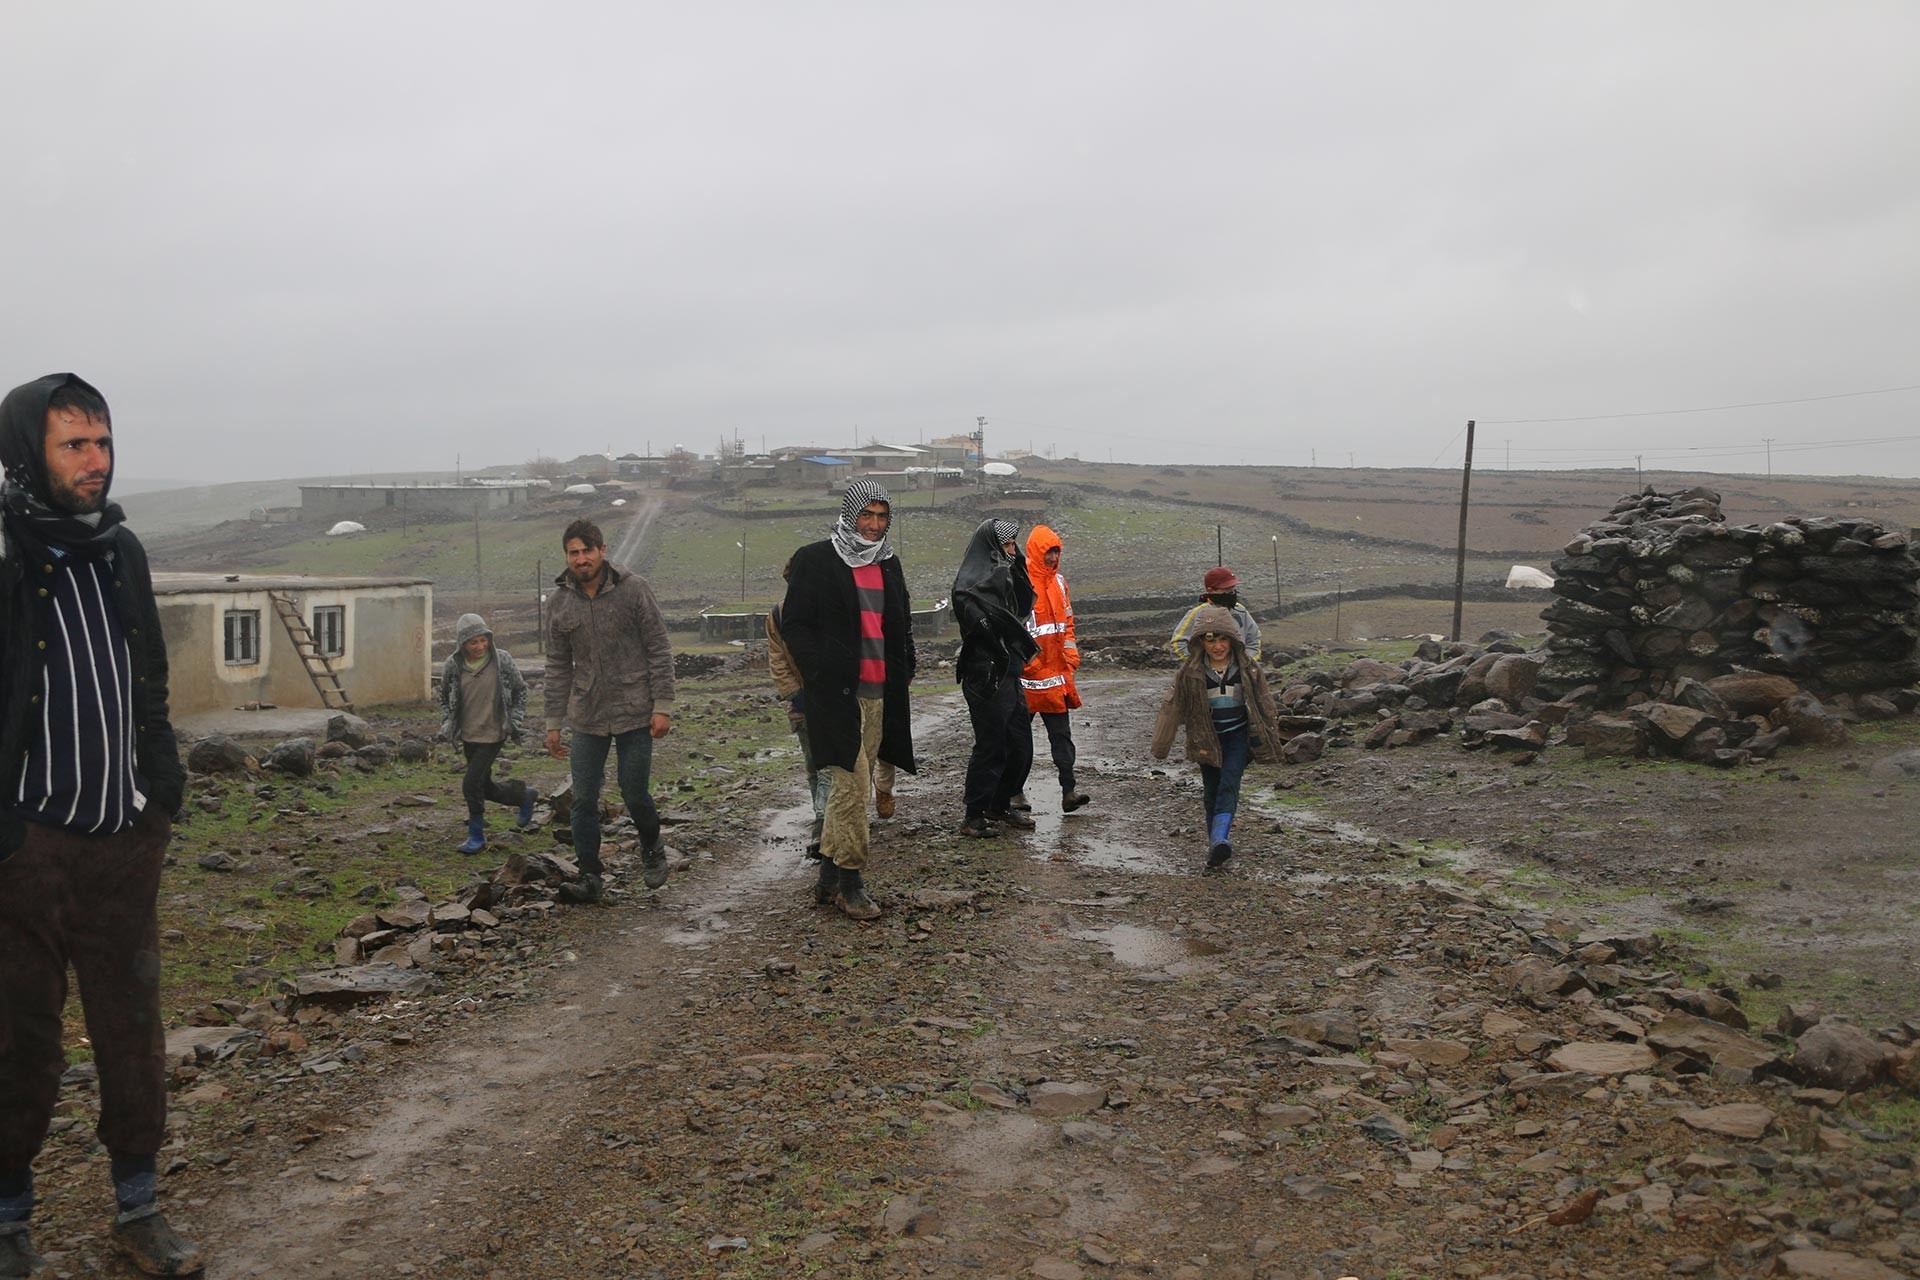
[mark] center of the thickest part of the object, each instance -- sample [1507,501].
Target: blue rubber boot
[1222,849]
[476,836]
[526,808]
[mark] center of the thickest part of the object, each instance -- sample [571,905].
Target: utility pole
[478,602]
[539,607]
[1460,558]
[1219,545]
[1639,474]
[1340,589]
[1276,571]
[1769,444]
[1509,453]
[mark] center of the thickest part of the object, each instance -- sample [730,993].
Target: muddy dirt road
[1070,1054]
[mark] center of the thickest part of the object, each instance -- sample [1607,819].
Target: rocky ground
[1443,1016]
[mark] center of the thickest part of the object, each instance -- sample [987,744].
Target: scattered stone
[1064,1098]
[1839,1055]
[1827,1264]
[1609,1059]
[294,757]
[350,729]
[219,754]
[1745,1120]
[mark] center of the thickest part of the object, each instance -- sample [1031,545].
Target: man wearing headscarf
[90,779]
[848,626]
[991,600]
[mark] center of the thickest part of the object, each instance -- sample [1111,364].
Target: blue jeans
[1221,787]
[589,757]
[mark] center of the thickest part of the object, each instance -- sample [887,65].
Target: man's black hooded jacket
[26,614]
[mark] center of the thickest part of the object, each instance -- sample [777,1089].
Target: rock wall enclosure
[1664,590]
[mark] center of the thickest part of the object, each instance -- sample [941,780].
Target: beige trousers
[882,778]
[843,839]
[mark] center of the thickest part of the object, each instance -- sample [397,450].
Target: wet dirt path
[1061,1054]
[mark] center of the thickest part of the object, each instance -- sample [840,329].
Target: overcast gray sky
[293,239]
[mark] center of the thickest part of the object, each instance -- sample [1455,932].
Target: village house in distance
[238,640]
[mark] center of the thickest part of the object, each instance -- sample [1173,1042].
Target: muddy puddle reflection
[1137,947]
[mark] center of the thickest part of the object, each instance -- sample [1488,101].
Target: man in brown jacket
[610,679]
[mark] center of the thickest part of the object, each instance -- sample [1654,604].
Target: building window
[243,637]
[330,629]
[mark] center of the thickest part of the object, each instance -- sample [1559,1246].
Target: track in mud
[1057,1052]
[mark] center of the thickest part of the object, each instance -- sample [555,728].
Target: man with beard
[849,628]
[610,679]
[90,779]
[991,600]
[1221,591]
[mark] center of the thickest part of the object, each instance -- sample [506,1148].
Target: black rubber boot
[853,897]
[1218,855]
[18,1261]
[827,887]
[976,827]
[144,1239]
[653,864]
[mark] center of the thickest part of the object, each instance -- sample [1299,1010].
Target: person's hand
[555,747]
[661,723]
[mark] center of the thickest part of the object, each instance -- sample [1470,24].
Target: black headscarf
[991,600]
[28,497]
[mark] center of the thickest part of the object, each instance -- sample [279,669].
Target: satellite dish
[999,469]
[578,488]
[619,502]
[346,526]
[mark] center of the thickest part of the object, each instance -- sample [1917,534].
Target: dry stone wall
[1664,590]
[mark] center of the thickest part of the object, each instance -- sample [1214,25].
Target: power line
[1712,408]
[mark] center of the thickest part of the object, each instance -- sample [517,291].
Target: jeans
[997,769]
[589,757]
[1221,787]
[818,783]
[479,785]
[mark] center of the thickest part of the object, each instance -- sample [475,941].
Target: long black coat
[820,621]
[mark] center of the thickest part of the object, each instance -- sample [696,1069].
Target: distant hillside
[1129,530]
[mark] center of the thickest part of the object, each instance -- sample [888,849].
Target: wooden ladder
[319,670]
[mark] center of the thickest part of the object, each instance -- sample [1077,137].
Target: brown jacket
[1186,704]
[609,663]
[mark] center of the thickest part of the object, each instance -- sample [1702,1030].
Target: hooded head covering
[852,548]
[30,511]
[1213,620]
[1039,542]
[469,626]
[991,594]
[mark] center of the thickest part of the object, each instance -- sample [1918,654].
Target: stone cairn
[1664,591]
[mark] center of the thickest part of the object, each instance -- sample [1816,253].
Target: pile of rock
[1663,590]
[413,932]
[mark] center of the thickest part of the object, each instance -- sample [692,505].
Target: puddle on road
[783,837]
[1141,948]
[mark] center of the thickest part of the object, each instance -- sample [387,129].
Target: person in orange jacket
[1048,679]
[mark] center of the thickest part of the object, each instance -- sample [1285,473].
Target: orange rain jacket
[1048,679]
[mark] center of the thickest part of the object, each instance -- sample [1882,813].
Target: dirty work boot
[653,864]
[883,803]
[1013,818]
[827,887]
[143,1238]
[853,898]
[1071,800]
[476,836]
[1220,829]
[813,850]
[1019,803]
[976,827]
[585,891]
[18,1260]
[525,816]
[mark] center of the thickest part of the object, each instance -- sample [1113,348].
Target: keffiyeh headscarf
[855,550]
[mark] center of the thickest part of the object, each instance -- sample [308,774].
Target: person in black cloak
[91,779]
[848,626]
[991,600]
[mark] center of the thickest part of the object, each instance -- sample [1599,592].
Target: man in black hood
[90,779]
[992,597]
